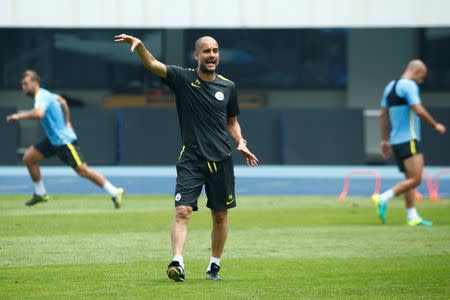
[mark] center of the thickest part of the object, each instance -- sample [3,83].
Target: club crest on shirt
[219,96]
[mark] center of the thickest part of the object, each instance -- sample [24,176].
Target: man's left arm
[413,98]
[235,131]
[426,116]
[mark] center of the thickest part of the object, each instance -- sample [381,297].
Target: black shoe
[37,199]
[175,271]
[213,273]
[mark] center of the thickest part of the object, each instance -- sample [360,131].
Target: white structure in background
[229,13]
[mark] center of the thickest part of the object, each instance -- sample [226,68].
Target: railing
[376,174]
[433,189]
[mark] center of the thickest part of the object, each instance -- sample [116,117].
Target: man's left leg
[218,237]
[219,231]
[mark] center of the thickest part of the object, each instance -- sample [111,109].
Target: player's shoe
[213,273]
[118,199]
[175,271]
[37,199]
[419,222]
[380,206]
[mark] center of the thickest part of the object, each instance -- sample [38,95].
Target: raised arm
[147,59]
[66,111]
[235,131]
[425,115]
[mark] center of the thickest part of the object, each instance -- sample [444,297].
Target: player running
[401,133]
[53,112]
[207,111]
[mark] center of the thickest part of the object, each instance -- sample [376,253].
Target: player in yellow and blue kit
[53,112]
[400,131]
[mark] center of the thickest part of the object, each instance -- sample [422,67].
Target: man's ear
[196,55]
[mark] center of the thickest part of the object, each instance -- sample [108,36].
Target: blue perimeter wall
[139,137]
[263,180]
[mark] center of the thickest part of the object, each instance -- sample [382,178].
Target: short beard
[203,69]
[30,94]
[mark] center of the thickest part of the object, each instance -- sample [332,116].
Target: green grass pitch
[78,247]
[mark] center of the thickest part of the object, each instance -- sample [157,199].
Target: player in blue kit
[400,132]
[53,112]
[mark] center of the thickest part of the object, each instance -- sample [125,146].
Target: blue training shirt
[405,123]
[53,121]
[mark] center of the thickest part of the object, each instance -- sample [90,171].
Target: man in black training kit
[207,110]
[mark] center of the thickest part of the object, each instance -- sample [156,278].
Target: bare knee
[28,158]
[219,217]
[82,170]
[417,180]
[183,213]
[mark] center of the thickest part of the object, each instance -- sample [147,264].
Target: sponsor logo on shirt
[196,83]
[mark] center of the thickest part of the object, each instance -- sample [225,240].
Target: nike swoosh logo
[229,202]
[194,85]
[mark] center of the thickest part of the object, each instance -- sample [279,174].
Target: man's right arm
[147,59]
[32,114]
[66,110]
[384,126]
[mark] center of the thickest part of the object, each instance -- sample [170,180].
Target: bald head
[416,70]
[416,64]
[205,40]
[207,55]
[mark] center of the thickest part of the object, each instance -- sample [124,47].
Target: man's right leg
[190,180]
[413,172]
[181,218]
[179,229]
[31,159]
